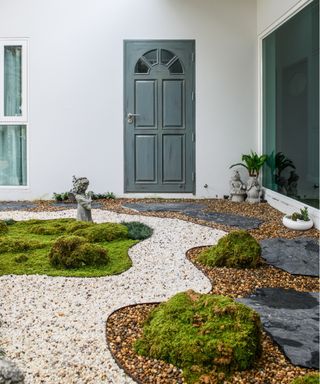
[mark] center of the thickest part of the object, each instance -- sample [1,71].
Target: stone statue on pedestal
[253,190]
[83,199]
[237,188]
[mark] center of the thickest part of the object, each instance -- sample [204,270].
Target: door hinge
[192,95]
[192,56]
[193,175]
[193,137]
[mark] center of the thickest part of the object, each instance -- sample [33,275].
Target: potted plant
[253,163]
[299,221]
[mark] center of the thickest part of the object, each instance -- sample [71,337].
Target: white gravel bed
[54,327]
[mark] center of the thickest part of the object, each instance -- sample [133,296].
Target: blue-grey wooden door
[159,116]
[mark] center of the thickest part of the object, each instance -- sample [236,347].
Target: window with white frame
[290,63]
[13,112]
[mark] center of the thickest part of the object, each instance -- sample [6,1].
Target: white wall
[270,12]
[76,85]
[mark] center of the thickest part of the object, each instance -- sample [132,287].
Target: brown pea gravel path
[125,325]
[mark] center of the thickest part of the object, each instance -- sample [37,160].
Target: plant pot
[299,225]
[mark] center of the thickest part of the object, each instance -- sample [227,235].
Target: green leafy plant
[9,221]
[61,196]
[203,335]
[252,162]
[137,230]
[107,195]
[302,215]
[238,249]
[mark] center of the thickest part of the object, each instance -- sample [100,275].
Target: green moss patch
[237,249]
[96,233]
[26,246]
[3,228]
[19,244]
[203,335]
[307,379]
[75,252]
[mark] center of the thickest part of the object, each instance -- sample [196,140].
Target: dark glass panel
[151,57]
[291,107]
[166,56]
[141,67]
[176,67]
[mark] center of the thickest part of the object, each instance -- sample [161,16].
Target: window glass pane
[12,80]
[141,67]
[166,56]
[176,67]
[291,107]
[13,159]
[151,57]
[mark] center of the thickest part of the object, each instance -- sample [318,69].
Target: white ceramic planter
[299,225]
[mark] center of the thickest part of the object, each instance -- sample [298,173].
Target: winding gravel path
[54,327]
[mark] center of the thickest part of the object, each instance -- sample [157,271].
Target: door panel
[145,158]
[173,106]
[145,103]
[173,167]
[159,130]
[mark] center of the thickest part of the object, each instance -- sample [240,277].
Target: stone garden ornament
[253,190]
[237,188]
[253,163]
[83,199]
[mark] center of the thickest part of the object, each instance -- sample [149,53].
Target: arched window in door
[159,56]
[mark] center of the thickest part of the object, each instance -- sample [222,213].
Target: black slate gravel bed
[292,320]
[164,207]
[196,211]
[16,205]
[229,219]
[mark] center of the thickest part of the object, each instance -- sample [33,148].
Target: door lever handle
[131,117]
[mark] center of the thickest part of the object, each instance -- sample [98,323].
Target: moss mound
[237,249]
[307,379]
[202,334]
[75,252]
[47,227]
[75,225]
[21,258]
[16,245]
[3,228]
[96,233]
[137,230]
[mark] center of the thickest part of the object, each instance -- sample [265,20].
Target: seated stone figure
[237,188]
[83,199]
[253,190]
